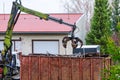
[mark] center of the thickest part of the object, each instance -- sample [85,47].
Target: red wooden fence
[36,67]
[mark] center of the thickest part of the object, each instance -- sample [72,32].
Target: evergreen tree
[116,20]
[116,30]
[100,25]
[115,14]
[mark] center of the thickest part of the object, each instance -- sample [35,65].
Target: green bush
[114,73]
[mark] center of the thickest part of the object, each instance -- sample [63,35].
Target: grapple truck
[6,68]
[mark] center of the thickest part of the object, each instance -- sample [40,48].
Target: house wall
[26,42]
[81,30]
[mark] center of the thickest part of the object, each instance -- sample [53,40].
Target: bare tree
[75,6]
[80,6]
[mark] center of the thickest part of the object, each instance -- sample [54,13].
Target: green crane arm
[41,15]
[30,11]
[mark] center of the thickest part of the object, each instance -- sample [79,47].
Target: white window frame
[45,46]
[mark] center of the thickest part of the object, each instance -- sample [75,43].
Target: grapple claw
[64,41]
[74,41]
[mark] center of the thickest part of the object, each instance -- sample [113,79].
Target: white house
[34,36]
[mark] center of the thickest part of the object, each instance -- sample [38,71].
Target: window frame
[44,40]
[13,43]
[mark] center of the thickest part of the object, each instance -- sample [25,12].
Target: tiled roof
[30,23]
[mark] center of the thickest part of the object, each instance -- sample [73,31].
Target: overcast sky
[45,6]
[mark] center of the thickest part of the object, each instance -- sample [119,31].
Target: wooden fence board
[44,68]
[34,68]
[86,69]
[96,69]
[75,69]
[24,68]
[54,68]
[66,68]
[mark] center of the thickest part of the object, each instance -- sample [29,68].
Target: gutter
[20,32]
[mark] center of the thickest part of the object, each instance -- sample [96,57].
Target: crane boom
[41,15]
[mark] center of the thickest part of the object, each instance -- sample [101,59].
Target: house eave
[20,32]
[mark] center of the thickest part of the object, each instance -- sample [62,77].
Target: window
[45,47]
[1,45]
[16,45]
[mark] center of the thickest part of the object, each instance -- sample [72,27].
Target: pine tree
[100,25]
[116,20]
[116,29]
[115,14]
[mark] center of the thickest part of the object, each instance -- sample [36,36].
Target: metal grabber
[74,40]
